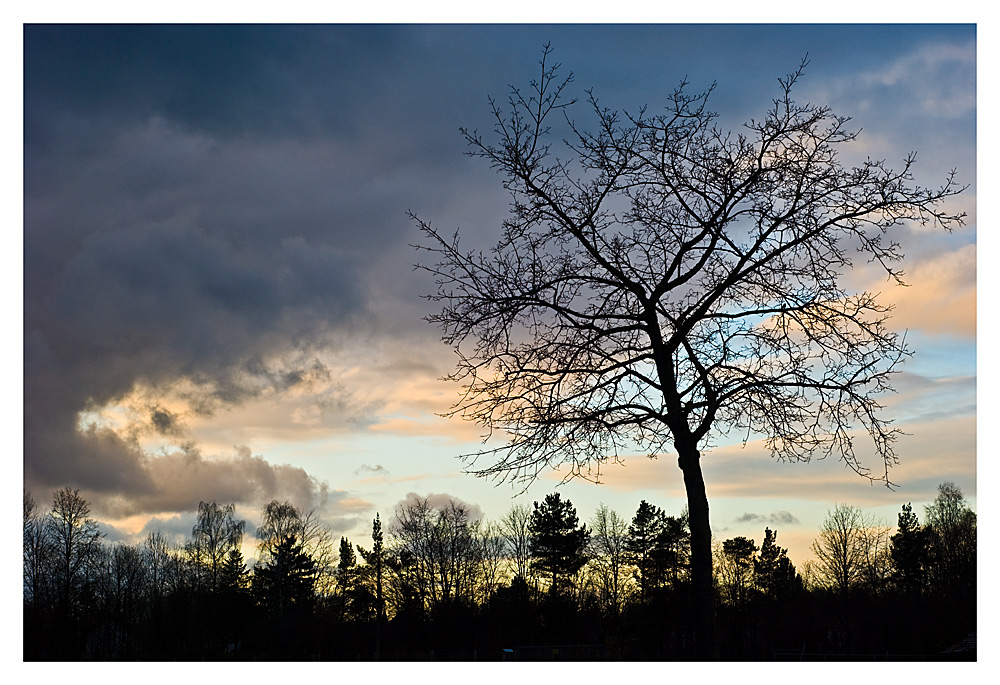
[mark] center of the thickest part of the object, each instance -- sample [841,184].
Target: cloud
[175,529]
[941,295]
[774,518]
[203,276]
[930,85]
[164,421]
[441,501]
[378,469]
[932,451]
[938,77]
[179,480]
[199,234]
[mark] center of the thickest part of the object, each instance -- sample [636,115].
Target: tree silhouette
[558,543]
[608,558]
[737,569]
[285,583]
[37,555]
[658,546]
[515,526]
[661,282]
[282,519]
[75,541]
[153,601]
[216,532]
[841,549]
[909,551]
[444,548]
[774,574]
[952,526]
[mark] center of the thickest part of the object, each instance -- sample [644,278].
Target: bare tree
[37,554]
[735,565]
[952,554]
[75,541]
[661,283]
[609,558]
[852,550]
[443,546]
[157,556]
[516,526]
[492,560]
[281,520]
[876,565]
[215,533]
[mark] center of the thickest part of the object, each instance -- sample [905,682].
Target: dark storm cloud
[223,80]
[201,204]
[165,422]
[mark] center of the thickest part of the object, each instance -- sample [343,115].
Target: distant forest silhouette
[537,584]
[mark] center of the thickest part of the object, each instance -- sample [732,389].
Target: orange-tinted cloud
[941,295]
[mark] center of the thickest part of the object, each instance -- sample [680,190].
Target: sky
[219,294]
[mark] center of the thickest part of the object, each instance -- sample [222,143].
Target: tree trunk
[689,460]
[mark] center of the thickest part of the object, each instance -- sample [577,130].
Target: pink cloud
[940,297]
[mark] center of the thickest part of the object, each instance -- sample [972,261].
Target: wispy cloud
[774,518]
[930,453]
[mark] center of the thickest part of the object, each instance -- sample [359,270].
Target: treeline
[439,583]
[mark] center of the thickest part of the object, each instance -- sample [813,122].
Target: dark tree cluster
[440,582]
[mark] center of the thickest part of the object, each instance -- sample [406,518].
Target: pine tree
[376,561]
[557,540]
[659,546]
[909,549]
[774,573]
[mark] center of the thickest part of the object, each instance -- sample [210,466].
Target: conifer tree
[558,542]
[286,583]
[909,549]
[235,577]
[774,573]
[659,546]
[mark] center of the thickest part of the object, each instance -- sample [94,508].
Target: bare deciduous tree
[215,533]
[516,526]
[609,558]
[661,283]
[735,564]
[852,550]
[280,520]
[37,552]
[444,549]
[75,541]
